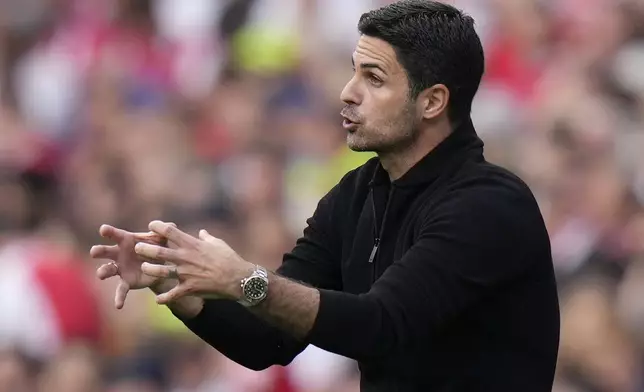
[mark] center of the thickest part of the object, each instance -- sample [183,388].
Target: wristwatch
[255,287]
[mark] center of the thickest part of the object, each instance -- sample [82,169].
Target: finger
[177,292]
[159,271]
[173,234]
[107,271]
[205,236]
[121,294]
[151,238]
[155,252]
[104,252]
[111,232]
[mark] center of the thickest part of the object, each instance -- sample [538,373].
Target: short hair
[435,43]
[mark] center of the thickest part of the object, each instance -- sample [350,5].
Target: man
[428,265]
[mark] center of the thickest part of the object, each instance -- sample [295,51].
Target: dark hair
[435,43]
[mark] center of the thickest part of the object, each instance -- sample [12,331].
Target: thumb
[205,236]
[121,293]
[177,292]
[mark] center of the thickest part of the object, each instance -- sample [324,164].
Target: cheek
[382,106]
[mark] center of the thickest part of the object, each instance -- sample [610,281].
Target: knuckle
[170,231]
[184,254]
[204,251]
[159,271]
[189,287]
[161,252]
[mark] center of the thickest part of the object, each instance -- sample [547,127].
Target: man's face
[379,115]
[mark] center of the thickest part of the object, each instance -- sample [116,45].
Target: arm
[241,335]
[464,251]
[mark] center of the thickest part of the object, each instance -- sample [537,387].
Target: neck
[397,163]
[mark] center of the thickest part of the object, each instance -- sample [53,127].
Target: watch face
[255,288]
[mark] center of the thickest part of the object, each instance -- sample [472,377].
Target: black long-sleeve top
[439,281]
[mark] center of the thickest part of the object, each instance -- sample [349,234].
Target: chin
[357,143]
[361,147]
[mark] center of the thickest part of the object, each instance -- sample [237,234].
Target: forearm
[233,330]
[290,306]
[355,326]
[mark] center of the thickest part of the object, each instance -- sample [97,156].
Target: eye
[373,79]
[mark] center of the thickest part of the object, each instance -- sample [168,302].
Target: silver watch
[255,287]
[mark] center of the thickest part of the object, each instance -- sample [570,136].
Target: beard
[387,136]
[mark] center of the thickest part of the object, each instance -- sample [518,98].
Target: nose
[350,94]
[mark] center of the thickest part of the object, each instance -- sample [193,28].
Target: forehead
[376,50]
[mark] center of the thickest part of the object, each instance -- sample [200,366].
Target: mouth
[349,124]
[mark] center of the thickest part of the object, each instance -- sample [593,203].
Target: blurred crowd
[225,115]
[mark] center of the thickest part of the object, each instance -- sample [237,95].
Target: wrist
[234,287]
[187,308]
[253,288]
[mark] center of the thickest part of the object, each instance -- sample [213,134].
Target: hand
[125,262]
[206,266]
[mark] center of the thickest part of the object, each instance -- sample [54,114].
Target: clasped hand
[205,266]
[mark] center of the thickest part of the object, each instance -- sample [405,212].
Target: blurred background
[224,114]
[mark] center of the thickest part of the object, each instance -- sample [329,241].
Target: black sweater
[440,281]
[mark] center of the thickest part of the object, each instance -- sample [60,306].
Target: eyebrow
[368,65]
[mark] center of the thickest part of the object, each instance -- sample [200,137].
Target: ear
[433,101]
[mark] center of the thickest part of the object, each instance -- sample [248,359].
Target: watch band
[261,271]
[258,281]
